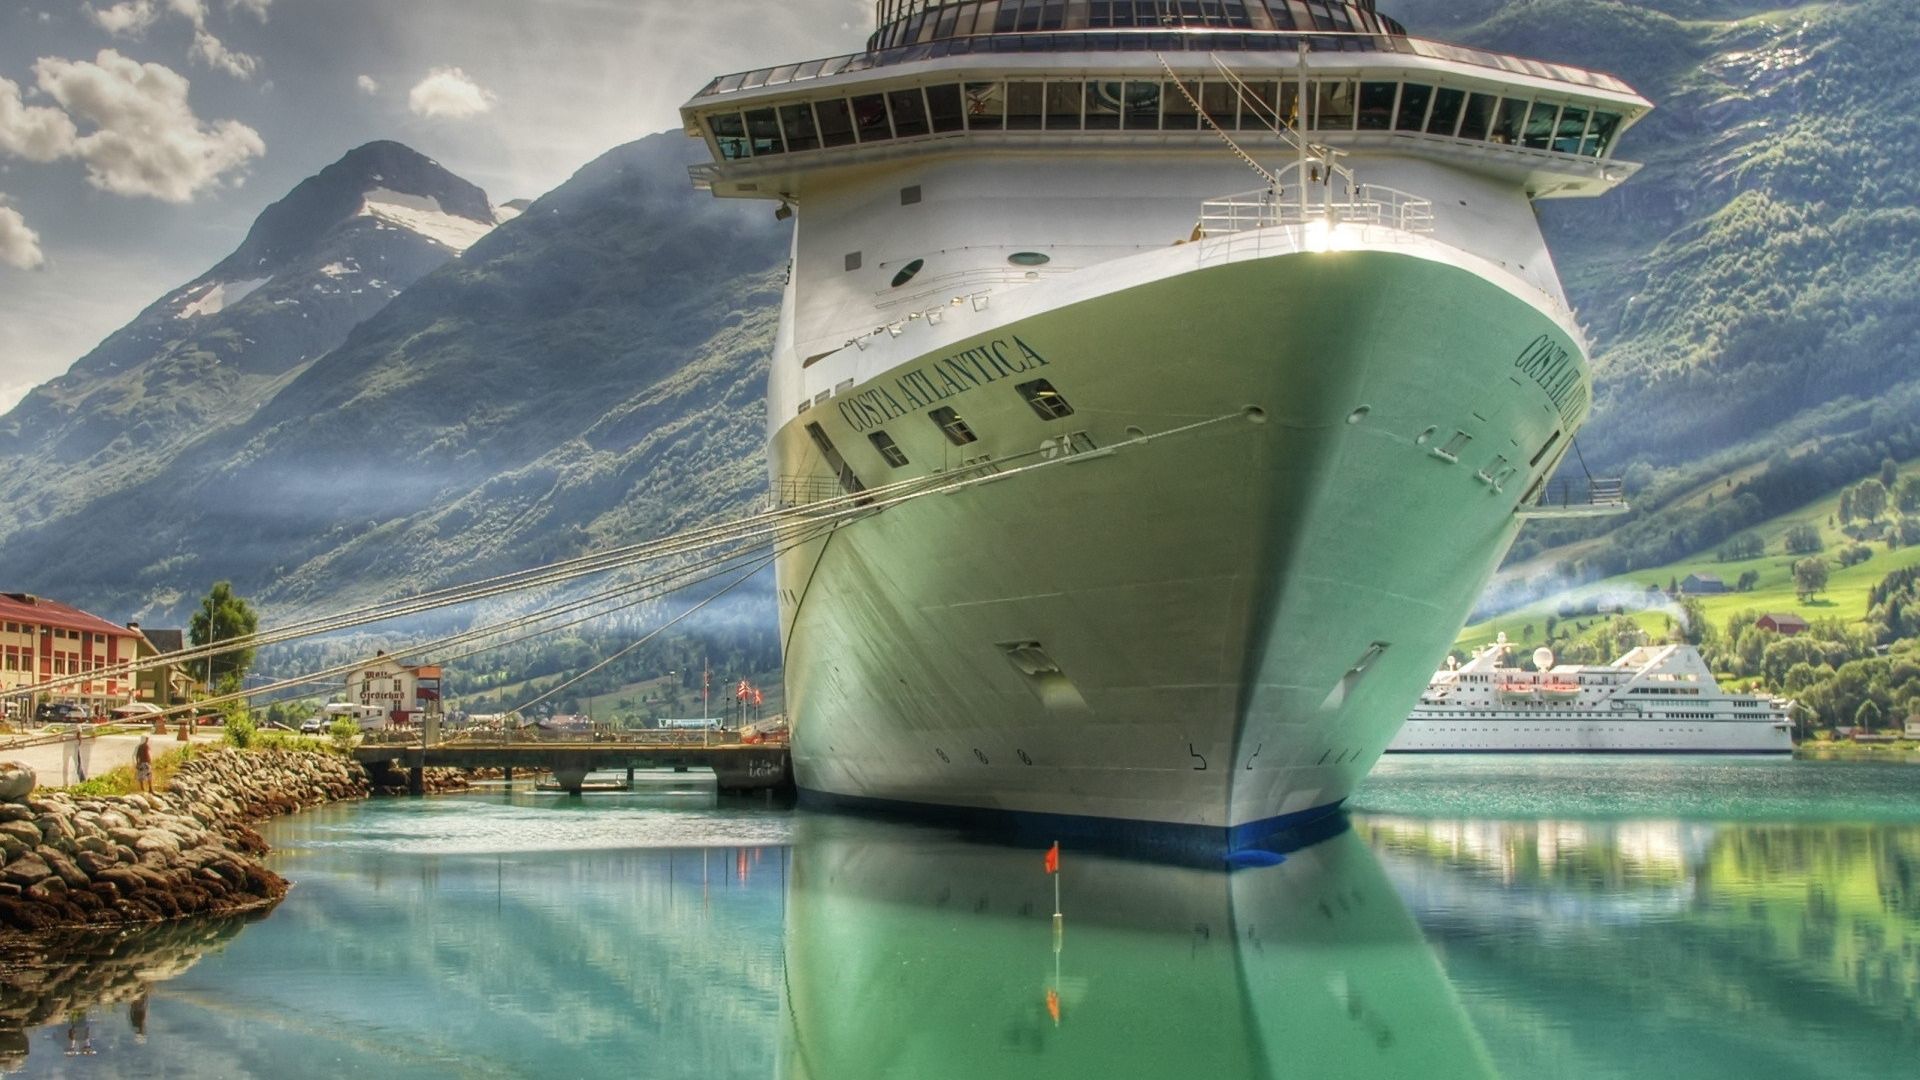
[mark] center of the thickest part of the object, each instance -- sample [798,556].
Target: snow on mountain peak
[423,214]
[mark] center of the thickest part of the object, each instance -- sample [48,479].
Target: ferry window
[1063,106]
[956,429]
[870,117]
[1539,134]
[1009,13]
[909,113]
[986,106]
[1446,111]
[836,122]
[1023,106]
[889,451]
[1178,111]
[1143,105]
[1600,135]
[1573,125]
[1045,400]
[1477,121]
[906,272]
[944,108]
[1412,115]
[797,122]
[1508,122]
[763,132]
[947,17]
[1103,106]
[981,20]
[1333,102]
[1376,105]
[1257,106]
[730,134]
[1028,258]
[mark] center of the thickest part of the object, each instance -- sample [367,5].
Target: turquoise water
[1481,918]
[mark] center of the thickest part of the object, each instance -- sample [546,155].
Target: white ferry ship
[1287,434]
[1657,699]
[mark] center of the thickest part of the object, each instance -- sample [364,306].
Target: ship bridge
[942,76]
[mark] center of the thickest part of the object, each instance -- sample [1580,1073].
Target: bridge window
[730,134]
[1539,134]
[1044,399]
[1024,102]
[836,122]
[1257,106]
[944,109]
[763,132]
[797,122]
[1104,101]
[1573,126]
[1333,102]
[1446,111]
[1376,105]
[909,113]
[986,106]
[1508,122]
[1218,99]
[889,450]
[1178,112]
[1063,106]
[1412,115]
[870,117]
[1477,121]
[1143,105]
[1600,134]
[950,424]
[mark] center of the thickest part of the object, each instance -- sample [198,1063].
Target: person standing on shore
[143,765]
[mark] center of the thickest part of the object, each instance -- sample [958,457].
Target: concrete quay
[736,767]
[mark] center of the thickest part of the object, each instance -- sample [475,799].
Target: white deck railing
[1365,204]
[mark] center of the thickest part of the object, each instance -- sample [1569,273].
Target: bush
[342,732]
[1804,540]
[1855,555]
[242,732]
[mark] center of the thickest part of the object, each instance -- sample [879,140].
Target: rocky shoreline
[68,862]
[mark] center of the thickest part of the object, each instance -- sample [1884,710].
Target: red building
[42,639]
[1784,625]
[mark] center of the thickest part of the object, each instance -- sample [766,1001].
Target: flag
[742,690]
[1053,858]
[1053,999]
[759,698]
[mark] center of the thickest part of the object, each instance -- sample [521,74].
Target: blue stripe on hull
[1158,841]
[1604,753]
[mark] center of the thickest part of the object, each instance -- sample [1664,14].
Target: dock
[737,767]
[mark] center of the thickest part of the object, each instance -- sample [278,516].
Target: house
[42,639]
[1703,583]
[164,684]
[1784,624]
[404,691]
[1913,726]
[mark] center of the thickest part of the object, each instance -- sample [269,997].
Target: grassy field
[1845,597]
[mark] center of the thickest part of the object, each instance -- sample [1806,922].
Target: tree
[1867,716]
[1748,579]
[1804,540]
[1909,497]
[1809,577]
[223,617]
[1870,499]
[1846,505]
[1889,473]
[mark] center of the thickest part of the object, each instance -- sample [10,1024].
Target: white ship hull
[1600,734]
[1206,596]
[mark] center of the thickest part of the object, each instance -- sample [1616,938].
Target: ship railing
[1364,204]
[1571,497]
[790,492]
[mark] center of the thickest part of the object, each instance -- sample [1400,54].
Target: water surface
[1482,917]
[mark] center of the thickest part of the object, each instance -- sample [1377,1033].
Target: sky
[140,138]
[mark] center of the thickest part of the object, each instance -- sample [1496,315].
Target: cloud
[34,132]
[132,18]
[145,138]
[447,93]
[19,245]
[368,85]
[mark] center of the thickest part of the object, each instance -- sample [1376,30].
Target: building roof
[166,641]
[25,607]
[1703,577]
[1784,619]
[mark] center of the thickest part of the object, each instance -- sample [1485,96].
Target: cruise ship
[1657,699]
[1230,338]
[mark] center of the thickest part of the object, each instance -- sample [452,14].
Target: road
[97,755]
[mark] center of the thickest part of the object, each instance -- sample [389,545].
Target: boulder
[63,867]
[16,781]
[26,871]
[24,831]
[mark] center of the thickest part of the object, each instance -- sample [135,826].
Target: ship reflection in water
[523,936]
[906,959]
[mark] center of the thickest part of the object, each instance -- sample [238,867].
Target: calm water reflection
[1518,919]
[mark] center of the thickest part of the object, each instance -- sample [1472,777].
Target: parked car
[314,725]
[63,712]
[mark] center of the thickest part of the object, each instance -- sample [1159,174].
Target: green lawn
[1845,597]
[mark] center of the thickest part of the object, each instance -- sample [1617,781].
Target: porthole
[906,272]
[1028,258]
[1426,436]
[1359,414]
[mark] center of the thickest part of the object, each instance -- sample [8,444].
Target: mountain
[204,356]
[590,372]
